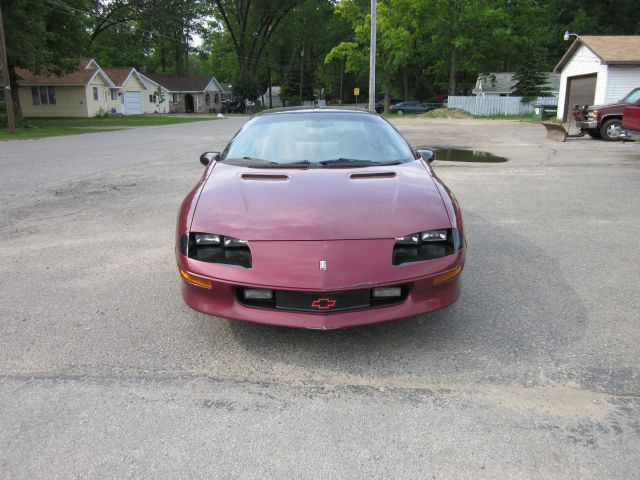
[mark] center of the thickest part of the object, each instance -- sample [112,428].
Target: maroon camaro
[319,218]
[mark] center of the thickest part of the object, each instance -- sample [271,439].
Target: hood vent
[366,176]
[260,177]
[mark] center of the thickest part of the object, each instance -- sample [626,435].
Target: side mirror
[428,155]
[207,157]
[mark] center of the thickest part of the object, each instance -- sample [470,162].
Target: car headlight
[422,246]
[592,115]
[214,248]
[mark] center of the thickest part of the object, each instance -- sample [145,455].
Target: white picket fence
[487,105]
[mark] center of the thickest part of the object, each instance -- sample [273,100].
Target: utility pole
[341,73]
[301,68]
[8,99]
[372,56]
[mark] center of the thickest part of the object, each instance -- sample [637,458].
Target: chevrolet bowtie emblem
[323,264]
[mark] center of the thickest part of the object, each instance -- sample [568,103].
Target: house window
[114,94]
[207,99]
[174,97]
[216,98]
[95,93]
[43,95]
[153,98]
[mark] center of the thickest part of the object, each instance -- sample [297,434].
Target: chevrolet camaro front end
[319,219]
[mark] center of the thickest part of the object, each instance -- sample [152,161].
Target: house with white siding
[189,94]
[157,99]
[598,70]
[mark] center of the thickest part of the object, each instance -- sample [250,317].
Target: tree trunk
[452,72]
[269,75]
[405,85]
[386,99]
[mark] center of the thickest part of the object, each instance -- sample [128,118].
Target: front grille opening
[322,302]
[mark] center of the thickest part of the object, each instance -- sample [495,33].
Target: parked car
[410,107]
[631,124]
[236,105]
[605,121]
[297,223]
[392,102]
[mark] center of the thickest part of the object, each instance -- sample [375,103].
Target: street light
[568,34]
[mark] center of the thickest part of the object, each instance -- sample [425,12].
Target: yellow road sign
[356,91]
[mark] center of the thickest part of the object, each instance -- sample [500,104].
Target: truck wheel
[610,130]
[593,133]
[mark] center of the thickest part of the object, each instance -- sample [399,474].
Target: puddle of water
[462,155]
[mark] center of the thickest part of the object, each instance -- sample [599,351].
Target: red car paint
[295,218]
[631,124]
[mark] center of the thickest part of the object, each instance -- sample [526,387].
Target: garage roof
[120,75]
[611,50]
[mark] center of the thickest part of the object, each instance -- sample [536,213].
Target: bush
[20,122]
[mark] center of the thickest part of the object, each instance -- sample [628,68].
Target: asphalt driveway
[534,373]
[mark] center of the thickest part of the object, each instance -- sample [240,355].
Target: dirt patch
[448,113]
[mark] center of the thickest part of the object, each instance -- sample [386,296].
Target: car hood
[612,106]
[319,204]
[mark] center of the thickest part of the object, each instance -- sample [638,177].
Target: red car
[319,218]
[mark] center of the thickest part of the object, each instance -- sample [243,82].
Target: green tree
[531,81]
[250,24]
[41,38]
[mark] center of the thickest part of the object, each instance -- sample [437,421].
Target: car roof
[316,110]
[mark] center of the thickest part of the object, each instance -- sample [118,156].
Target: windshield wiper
[356,162]
[243,160]
[299,163]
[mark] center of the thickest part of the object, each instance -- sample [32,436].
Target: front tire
[610,130]
[400,112]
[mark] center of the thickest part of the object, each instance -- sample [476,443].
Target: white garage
[132,104]
[598,70]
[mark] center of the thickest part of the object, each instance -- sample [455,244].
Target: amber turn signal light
[445,277]
[197,281]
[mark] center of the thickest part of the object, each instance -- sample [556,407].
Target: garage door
[581,91]
[132,104]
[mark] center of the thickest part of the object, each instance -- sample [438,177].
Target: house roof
[85,72]
[504,83]
[120,75]
[180,84]
[610,49]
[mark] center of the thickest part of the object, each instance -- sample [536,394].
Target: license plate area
[323,302]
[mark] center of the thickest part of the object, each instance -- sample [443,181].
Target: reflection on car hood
[609,105]
[319,204]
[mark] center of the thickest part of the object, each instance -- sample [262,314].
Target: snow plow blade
[555,131]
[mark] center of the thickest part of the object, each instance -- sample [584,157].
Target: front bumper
[422,295]
[587,125]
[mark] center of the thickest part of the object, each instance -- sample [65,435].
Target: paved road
[534,373]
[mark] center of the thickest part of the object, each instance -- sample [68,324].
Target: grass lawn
[131,121]
[55,127]
[27,133]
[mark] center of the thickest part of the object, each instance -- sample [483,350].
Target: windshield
[318,139]
[633,97]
